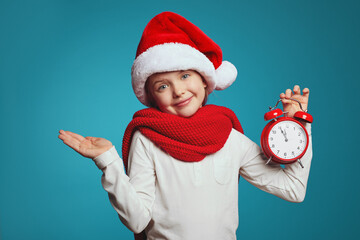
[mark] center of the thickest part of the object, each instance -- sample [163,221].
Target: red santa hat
[172,43]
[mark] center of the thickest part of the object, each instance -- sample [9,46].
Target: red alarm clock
[284,139]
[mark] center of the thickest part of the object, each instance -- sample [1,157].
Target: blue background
[66,65]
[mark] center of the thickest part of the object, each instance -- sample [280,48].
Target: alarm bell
[273,114]
[276,112]
[303,116]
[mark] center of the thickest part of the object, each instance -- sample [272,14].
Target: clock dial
[287,139]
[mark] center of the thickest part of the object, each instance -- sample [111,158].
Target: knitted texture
[186,139]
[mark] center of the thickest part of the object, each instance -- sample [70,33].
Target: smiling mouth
[183,103]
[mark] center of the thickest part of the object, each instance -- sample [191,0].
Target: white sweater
[172,199]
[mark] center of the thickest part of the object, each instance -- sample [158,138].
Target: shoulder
[140,140]
[138,136]
[239,141]
[141,148]
[239,136]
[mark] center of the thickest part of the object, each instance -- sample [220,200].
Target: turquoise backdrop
[66,65]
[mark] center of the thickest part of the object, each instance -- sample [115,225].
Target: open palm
[89,147]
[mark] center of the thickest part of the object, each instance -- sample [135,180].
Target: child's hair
[151,100]
[149,95]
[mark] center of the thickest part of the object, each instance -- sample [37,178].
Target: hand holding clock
[291,107]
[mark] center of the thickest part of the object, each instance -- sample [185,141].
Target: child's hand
[89,147]
[292,106]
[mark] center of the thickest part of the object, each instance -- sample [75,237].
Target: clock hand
[285,136]
[284,133]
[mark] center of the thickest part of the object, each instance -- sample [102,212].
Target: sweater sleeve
[132,197]
[288,183]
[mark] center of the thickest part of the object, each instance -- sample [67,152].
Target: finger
[69,140]
[63,135]
[297,89]
[76,136]
[283,99]
[288,93]
[73,143]
[306,92]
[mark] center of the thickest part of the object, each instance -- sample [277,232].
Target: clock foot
[300,163]
[268,161]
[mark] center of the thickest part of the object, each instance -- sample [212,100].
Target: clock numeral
[274,131]
[271,138]
[285,154]
[293,153]
[301,141]
[278,151]
[298,148]
[273,145]
[299,133]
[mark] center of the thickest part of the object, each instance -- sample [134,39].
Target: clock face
[287,139]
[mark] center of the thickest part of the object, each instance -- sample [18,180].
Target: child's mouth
[183,103]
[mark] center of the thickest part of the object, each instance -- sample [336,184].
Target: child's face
[180,93]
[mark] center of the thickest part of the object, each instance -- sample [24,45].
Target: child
[183,158]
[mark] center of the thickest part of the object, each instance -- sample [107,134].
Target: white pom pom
[225,75]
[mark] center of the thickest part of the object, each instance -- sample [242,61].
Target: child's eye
[162,87]
[186,75]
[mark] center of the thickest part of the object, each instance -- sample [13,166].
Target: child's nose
[178,89]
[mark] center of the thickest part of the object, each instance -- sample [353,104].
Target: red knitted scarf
[186,139]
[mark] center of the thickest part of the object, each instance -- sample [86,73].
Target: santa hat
[172,43]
